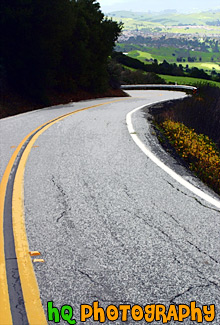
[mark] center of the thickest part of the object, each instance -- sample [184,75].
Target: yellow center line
[28,280]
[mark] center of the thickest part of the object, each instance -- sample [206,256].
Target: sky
[159,5]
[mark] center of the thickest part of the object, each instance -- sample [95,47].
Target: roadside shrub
[198,150]
[200,112]
[129,77]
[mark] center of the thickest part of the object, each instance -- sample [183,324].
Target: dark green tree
[94,38]
[55,45]
[15,27]
[35,35]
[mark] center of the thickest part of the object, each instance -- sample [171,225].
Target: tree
[15,27]
[216,48]
[114,71]
[55,44]
[199,73]
[93,39]
[35,34]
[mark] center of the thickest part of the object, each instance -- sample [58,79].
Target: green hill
[204,22]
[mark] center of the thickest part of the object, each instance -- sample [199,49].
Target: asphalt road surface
[110,224]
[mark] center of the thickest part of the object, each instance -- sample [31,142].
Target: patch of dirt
[12,103]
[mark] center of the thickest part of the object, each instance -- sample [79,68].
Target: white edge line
[160,164]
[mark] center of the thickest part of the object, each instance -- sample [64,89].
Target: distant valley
[191,40]
[202,24]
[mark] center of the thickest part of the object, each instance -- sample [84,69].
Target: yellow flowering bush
[198,150]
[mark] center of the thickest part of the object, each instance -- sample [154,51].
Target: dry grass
[198,150]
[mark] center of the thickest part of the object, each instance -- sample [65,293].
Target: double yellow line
[31,295]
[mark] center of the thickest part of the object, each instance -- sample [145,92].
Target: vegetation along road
[110,224]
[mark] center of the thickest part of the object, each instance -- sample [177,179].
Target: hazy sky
[158,5]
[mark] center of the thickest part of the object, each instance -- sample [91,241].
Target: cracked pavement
[110,224]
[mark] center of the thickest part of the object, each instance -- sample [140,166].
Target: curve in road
[109,224]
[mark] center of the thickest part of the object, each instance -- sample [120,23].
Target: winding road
[110,224]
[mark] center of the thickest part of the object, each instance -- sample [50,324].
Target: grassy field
[140,55]
[167,53]
[153,53]
[170,54]
[187,80]
[206,66]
